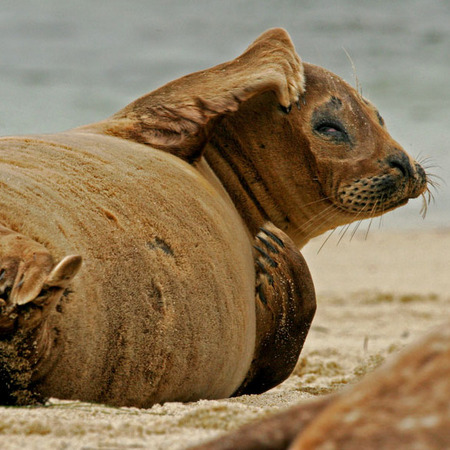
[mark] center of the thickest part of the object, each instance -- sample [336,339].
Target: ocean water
[67,63]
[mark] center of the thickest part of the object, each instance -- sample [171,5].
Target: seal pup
[187,209]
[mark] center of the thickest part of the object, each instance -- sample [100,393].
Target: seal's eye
[331,129]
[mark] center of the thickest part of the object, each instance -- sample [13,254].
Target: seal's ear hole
[380,119]
[64,271]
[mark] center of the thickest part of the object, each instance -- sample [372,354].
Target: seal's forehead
[322,80]
[326,86]
[373,108]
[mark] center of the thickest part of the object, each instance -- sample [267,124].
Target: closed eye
[331,129]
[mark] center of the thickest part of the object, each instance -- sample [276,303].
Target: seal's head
[361,169]
[344,165]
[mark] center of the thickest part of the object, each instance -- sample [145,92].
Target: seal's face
[369,171]
[361,172]
[327,163]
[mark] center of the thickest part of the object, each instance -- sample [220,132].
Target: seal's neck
[230,158]
[266,179]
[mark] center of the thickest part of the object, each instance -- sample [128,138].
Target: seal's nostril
[399,166]
[401,162]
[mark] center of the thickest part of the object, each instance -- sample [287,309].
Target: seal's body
[154,280]
[163,202]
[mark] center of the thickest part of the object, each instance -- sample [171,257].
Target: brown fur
[163,201]
[404,404]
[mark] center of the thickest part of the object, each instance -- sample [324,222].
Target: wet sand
[375,295]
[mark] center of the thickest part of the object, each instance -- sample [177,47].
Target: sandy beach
[375,295]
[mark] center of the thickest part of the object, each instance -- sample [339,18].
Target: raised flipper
[178,117]
[285,307]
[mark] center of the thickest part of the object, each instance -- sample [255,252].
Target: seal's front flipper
[30,283]
[285,307]
[179,117]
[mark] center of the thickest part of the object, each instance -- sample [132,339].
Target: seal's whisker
[343,229]
[371,219]
[381,200]
[432,177]
[314,218]
[326,218]
[320,218]
[426,160]
[368,228]
[312,222]
[427,164]
[427,198]
[430,194]
[326,239]
[420,157]
[358,224]
[358,87]
[430,166]
[434,183]
[361,211]
[316,201]
[343,234]
[346,228]
[424,208]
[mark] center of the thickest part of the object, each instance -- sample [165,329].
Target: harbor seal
[153,256]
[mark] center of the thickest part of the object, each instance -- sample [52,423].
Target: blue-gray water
[67,63]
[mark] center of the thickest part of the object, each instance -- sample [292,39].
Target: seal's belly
[163,308]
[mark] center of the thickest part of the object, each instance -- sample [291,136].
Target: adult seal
[154,257]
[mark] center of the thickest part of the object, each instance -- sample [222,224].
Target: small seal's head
[357,170]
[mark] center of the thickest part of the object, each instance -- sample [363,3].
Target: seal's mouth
[375,195]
